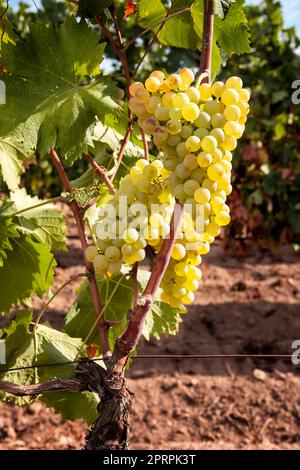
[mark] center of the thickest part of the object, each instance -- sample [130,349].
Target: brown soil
[243,307]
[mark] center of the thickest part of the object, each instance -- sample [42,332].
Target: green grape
[234,82]
[167,99]
[187,76]
[100,264]
[186,131]
[174,126]
[210,185]
[173,140]
[182,171]
[218,120]
[181,149]
[217,155]
[205,91]
[222,218]
[170,164]
[218,134]
[179,191]
[175,113]
[188,298]
[215,171]
[203,120]
[217,89]
[162,113]
[140,255]
[212,107]
[180,100]
[142,95]
[150,124]
[190,161]
[204,159]
[152,104]
[190,187]
[229,143]
[174,81]
[202,195]
[193,143]
[130,235]
[178,251]
[201,132]
[150,172]
[190,112]
[112,253]
[181,269]
[217,204]
[114,267]
[209,143]
[230,96]
[232,113]
[134,87]
[178,291]
[91,252]
[193,94]
[244,94]
[161,134]
[152,84]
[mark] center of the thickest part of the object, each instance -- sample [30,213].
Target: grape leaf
[46,222]
[12,156]
[73,405]
[8,231]
[149,12]
[28,268]
[58,102]
[7,32]
[116,295]
[232,33]
[45,346]
[179,32]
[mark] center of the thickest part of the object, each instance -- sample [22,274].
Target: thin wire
[160,356]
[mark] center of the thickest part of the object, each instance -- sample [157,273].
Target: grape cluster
[195,128]
[137,215]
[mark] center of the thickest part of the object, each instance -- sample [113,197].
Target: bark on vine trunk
[111,429]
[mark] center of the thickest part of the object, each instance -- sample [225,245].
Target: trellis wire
[159,356]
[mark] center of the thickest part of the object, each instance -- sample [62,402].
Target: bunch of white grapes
[195,129]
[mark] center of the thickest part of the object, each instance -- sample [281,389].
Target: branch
[131,335]
[101,173]
[157,23]
[66,385]
[123,145]
[207,41]
[103,329]
[112,11]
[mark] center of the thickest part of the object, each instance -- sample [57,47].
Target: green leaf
[116,296]
[7,32]
[73,405]
[162,319]
[28,268]
[46,222]
[149,12]
[179,32]
[59,101]
[12,156]
[232,33]
[25,348]
[8,231]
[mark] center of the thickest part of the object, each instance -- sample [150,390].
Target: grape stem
[101,173]
[207,41]
[129,339]
[102,325]
[119,50]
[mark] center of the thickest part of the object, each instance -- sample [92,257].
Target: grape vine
[152,201]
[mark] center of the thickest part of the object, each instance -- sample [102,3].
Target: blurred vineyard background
[265,202]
